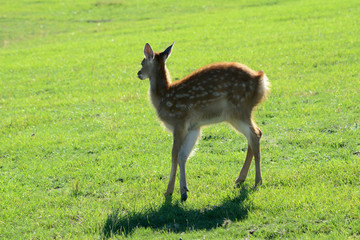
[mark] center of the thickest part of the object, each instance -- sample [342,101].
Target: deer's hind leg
[245,169]
[253,135]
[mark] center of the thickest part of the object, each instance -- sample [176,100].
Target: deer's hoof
[167,195]
[184,196]
[258,182]
[238,183]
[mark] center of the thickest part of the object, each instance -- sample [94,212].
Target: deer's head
[153,61]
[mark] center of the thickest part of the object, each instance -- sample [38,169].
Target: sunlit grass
[82,154]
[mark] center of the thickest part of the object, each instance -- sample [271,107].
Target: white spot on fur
[180,105]
[181,95]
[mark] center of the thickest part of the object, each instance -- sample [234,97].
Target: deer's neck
[159,84]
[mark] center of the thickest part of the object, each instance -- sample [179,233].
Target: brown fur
[215,93]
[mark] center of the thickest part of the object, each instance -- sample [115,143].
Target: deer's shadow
[174,217]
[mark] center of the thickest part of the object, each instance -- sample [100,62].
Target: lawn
[83,156]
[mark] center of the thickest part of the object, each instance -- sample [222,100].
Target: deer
[218,92]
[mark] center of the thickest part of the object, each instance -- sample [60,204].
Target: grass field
[83,156]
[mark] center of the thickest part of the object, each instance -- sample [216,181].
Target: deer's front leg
[185,150]
[174,164]
[178,136]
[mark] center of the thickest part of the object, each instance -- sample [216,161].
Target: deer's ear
[148,52]
[165,54]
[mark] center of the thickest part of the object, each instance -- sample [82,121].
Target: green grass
[83,156]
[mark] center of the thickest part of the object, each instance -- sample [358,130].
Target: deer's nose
[139,75]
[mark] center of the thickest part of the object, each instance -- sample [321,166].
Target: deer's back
[210,94]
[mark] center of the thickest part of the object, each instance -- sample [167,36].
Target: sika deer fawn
[215,93]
